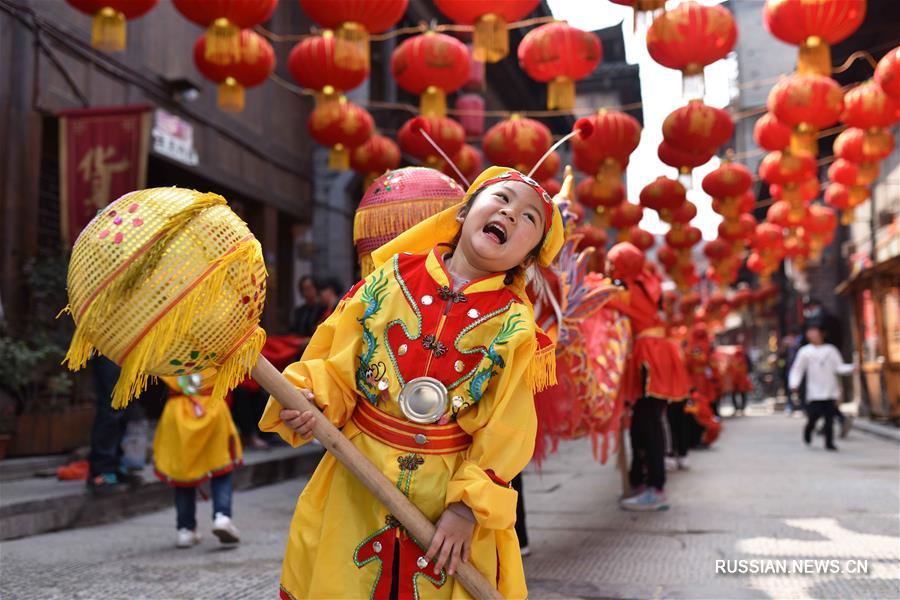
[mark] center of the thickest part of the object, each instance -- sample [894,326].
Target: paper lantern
[845,199]
[698,128]
[741,230]
[395,202]
[626,261]
[559,55]
[552,186]
[784,214]
[822,219]
[626,215]
[771,134]
[887,74]
[470,111]
[863,147]
[591,237]
[517,142]
[728,179]
[313,64]
[805,190]
[667,257]
[431,65]
[549,168]
[224,20]
[663,195]
[644,240]
[683,160]
[375,156]
[490,38]
[732,207]
[108,28]
[814,26]
[867,106]
[447,133]
[785,168]
[468,160]
[167,282]
[595,195]
[614,136]
[806,103]
[340,126]
[685,213]
[683,237]
[848,173]
[256,63]
[717,250]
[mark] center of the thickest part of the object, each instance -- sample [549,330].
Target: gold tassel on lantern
[223,42]
[803,140]
[231,95]
[339,158]
[876,141]
[357,38]
[108,30]
[490,39]
[433,103]
[328,95]
[561,94]
[847,216]
[815,57]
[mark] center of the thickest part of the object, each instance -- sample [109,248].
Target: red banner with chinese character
[102,155]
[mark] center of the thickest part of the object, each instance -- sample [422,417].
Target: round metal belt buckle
[423,400]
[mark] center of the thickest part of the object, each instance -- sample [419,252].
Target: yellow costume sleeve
[327,367]
[503,431]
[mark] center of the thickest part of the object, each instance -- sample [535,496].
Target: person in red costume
[655,375]
[704,387]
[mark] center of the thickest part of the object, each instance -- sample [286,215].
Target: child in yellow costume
[197,441]
[429,365]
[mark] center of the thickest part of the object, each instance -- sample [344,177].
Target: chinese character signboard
[102,155]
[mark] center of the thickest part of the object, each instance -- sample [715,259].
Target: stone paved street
[758,494]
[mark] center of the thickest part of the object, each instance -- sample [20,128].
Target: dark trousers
[816,409]
[186,501]
[678,427]
[246,408]
[521,530]
[648,443]
[109,424]
[743,402]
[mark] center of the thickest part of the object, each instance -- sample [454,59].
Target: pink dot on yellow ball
[103,234]
[132,208]
[117,220]
[137,222]
[112,213]
[118,238]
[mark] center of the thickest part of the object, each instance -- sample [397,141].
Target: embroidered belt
[405,435]
[652,332]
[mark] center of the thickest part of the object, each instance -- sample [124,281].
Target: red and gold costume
[704,383]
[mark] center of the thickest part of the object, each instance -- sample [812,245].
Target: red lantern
[625,216]
[697,127]
[862,147]
[340,126]
[845,198]
[591,237]
[224,20]
[447,133]
[431,65]
[691,37]
[727,180]
[867,106]
[642,239]
[771,134]
[683,160]
[552,186]
[470,110]
[717,250]
[805,191]
[731,207]
[254,67]
[887,73]
[642,5]
[807,103]
[475,82]
[517,142]
[848,173]
[813,26]
[596,195]
[468,161]
[490,38]
[667,257]
[354,20]
[682,238]
[377,155]
[663,195]
[769,239]
[741,230]
[313,65]
[783,168]
[559,55]
[822,220]
[549,168]
[108,25]
[614,136]
[685,213]
[785,214]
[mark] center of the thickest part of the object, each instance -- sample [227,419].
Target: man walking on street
[821,364]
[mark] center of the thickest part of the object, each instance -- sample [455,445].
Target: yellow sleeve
[503,429]
[327,367]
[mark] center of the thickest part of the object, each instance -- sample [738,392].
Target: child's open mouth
[496,232]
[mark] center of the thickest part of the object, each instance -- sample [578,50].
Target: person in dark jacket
[307,316]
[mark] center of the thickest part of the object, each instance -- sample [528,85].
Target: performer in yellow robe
[412,323]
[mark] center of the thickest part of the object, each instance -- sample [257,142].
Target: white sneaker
[525,551]
[225,530]
[187,538]
[671,464]
[683,463]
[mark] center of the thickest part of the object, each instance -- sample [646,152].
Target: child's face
[504,224]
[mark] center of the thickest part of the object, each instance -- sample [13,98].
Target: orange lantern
[354,20]
[431,65]
[887,73]
[559,55]
[490,38]
[863,147]
[771,134]
[867,106]
[256,63]
[731,207]
[517,142]
[814,26]
[313,65]
[807,103]
[468,161]
[849,173]
[785,214]
[108,25]
[663,195]
[729,179]
[447,133]
[785,168]
[340,126]
[224,21]
[845,198]
[375,156]
[690,37]
[697,127]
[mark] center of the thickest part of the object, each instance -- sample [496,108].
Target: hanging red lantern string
[838,197]
[683,160]
[447,133]
[690,37]
[354,20]
[108,27]
[732,207]
[374,157]
[867,107]
[807,103]
[224,20]
[312,64]
[729,179]
[887,74]
[490,38]
[625,216]
[256,63]
[517,142]
[600,198]
[559,55]
[431,65]
[340,126]
[771,134]
[808,190]
[863,147]
[663,195]
[814,27]
[820,225]
[697,127]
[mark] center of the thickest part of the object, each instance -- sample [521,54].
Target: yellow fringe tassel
[108,30]
[366,265]
[541,372]
[231,96]
[238,365]
[814,57]
[379,221]
[223,42]
[561,94]
[156,344]
[433,102]
[490,40]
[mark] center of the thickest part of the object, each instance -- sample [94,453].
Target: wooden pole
[355,461]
